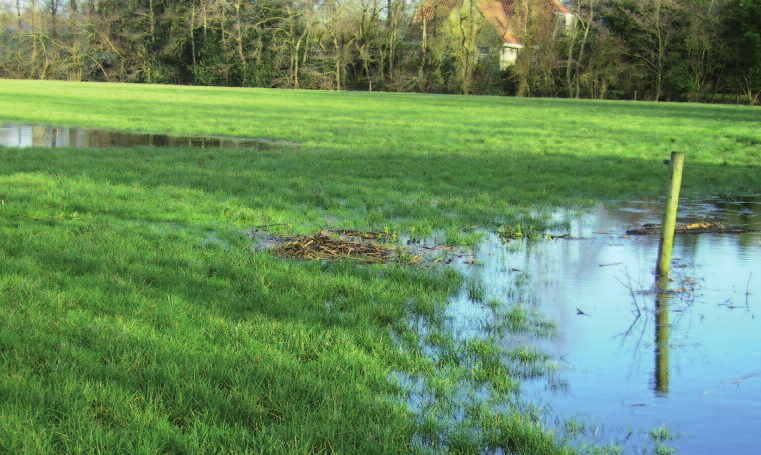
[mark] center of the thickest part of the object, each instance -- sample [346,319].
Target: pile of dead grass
[359,246]
[705,227]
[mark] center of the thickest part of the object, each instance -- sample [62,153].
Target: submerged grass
[135,318]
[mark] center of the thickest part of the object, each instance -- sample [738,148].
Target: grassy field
[135,318]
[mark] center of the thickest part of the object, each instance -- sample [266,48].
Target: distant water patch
[27,135]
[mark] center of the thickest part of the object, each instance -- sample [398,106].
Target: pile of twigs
[365,235]
[695,228]
[322,246]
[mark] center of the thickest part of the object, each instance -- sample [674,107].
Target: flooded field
[24,135]
[688,378]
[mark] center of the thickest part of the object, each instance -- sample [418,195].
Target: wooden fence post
[669,215]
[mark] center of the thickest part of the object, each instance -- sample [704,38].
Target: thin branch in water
[747,291]
[630,287]
[628,331]
[746,377]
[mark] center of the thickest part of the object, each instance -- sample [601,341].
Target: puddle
[626,369]
[24,135]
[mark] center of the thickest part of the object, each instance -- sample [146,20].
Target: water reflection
[662,338]
[702,339]
[640,357]
[21,135]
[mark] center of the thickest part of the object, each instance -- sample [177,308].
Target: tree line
[675,50]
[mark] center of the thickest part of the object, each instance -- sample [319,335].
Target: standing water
[47,136]
[687,378]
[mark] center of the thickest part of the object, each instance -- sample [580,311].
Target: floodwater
[625,369]
[24,135]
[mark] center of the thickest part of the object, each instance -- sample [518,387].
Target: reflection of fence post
[662,338]
[669,215]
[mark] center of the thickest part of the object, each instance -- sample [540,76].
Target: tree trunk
[581,52]
[296,65]
[569,60]
[338,63]
[192,33]
[54,4]
[239,33]
[152,18]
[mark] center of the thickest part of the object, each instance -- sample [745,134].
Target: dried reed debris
[704,227]
[362,247]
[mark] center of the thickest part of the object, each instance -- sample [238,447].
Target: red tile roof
[497,12]
[427,9]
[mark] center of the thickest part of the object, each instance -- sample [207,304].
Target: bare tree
[705,50]
[654,35]
[333,36]
[584,19]
[534,23]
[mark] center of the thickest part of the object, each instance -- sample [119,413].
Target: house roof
[561,8]
[497,12]
[427,10]
[556,5]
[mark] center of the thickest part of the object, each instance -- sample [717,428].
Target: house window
[567,21]
[482,53]
[508,57]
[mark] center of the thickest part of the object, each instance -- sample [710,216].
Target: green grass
[475,159]
[659,436]
[476,289]
[135,318]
